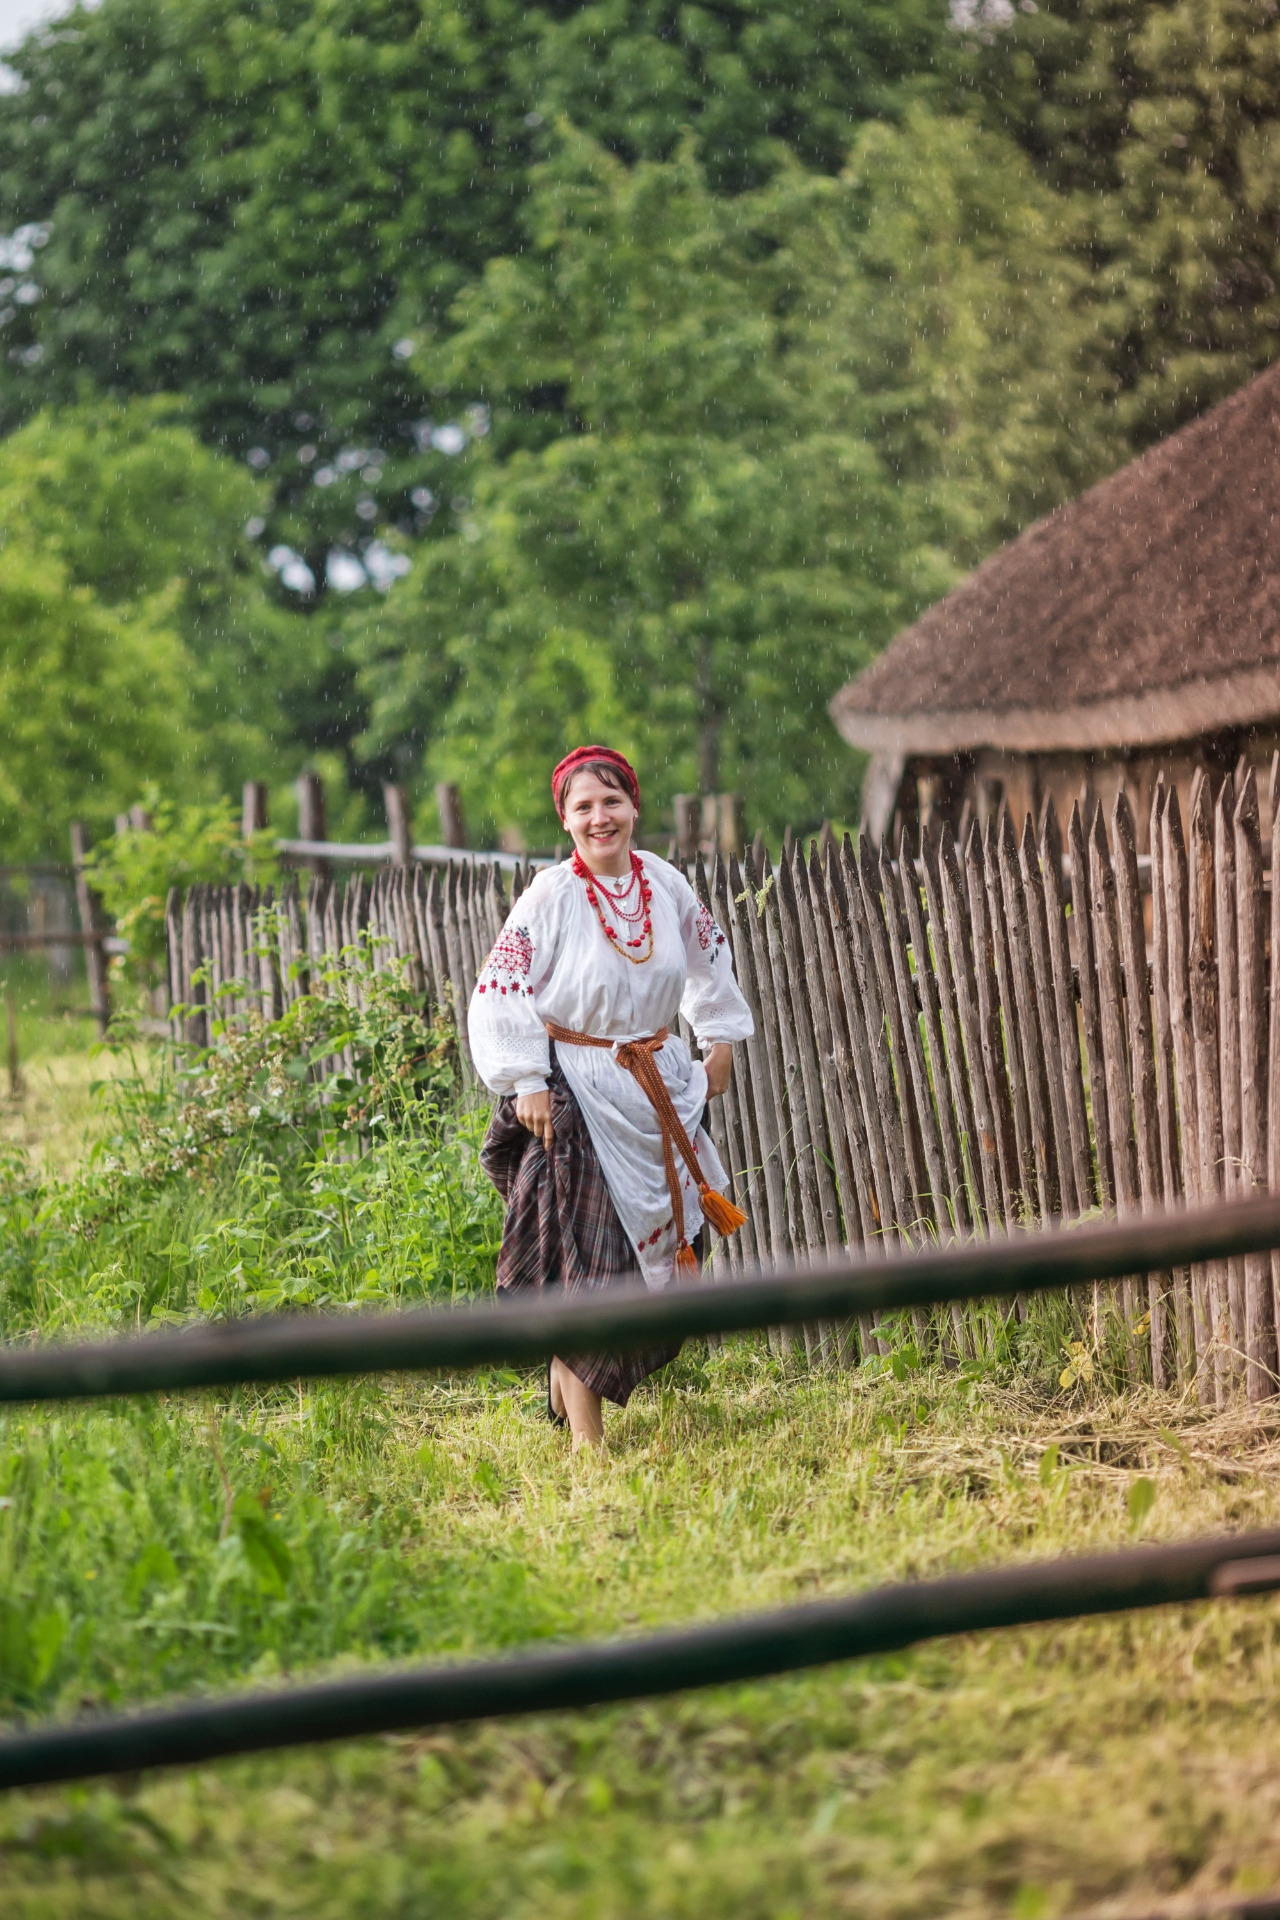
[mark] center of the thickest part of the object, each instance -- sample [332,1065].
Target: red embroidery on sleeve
[508,963]
[708,932]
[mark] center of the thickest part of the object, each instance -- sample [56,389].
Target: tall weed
[325,1158]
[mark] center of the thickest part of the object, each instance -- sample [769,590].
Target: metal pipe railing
[287,1346]
[882,1621]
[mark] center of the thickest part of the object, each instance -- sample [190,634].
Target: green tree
[732,447]
[680,569]
[957,306]
[129,507]
[255,206]
[751,81]
[92,698]
[1159,124]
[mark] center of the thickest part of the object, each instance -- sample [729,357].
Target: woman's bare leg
[581,1407]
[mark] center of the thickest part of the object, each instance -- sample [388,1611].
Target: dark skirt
[562,1229]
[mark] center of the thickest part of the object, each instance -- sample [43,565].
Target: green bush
[133,872]
[319,1159]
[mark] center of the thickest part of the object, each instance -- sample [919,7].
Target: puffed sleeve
[509,1042]
[713,1003]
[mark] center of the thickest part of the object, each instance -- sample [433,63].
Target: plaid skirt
[562,1229]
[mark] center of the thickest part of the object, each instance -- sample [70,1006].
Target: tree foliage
[255,206]
[90,695]
[132,506]
[690,522]
[1159,125]
[142,639]
[681,351]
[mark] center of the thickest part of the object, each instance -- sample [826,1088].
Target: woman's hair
[604,770]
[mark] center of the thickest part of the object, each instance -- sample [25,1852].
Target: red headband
[581,757]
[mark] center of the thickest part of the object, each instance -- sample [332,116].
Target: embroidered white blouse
[553,962]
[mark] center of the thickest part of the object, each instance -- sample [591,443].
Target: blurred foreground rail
[288,1346]
[728,1652]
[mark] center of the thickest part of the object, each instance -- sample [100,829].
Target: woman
[596,1144]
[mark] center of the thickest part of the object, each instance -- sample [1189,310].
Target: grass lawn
[55,1116]
[157,1548]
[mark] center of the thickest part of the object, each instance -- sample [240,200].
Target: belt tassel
[638,1058]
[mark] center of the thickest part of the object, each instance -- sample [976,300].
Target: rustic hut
[1134,629]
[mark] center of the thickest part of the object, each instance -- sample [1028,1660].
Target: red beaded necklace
[631,917]
[632,911]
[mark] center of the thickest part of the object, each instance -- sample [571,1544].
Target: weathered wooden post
[1202,961]
[453,826]
[687,809]
[1228,959]
[731,829]
[253,808]
[1142,1060]
[1251,934]
[1273,1025]
[399,830]
[313,823]
[95,954]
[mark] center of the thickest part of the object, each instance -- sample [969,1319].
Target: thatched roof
[1146,611]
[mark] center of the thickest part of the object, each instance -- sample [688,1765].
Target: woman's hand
[718,1061]
[533,1110]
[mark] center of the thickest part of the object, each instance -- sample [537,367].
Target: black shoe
[556,1419]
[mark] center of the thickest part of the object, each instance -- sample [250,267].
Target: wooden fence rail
[949,1040]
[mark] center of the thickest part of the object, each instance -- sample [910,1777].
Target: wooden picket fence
[950,1042]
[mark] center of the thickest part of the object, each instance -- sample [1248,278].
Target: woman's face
[600,819]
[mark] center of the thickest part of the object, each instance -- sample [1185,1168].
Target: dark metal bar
[285,1346]
[882,1621]
[1213,1906]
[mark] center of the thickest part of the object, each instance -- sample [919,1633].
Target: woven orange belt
[638,1057]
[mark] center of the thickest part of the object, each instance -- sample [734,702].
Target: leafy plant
[318,1159]
[140,638]
[134,871]
[1139,1500]
[1079,1368]
[356,1053]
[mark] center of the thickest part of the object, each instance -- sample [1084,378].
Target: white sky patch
[344,572]
[18,18]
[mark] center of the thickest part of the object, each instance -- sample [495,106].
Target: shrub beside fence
[1015,1030]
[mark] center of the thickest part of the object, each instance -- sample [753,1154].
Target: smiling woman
[596,1143]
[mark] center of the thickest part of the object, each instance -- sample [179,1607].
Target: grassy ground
[54,1116]
[189,1544]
